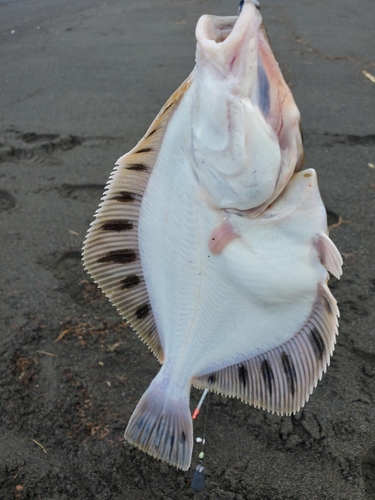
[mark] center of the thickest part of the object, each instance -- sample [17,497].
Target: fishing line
[199,479]
[197,409]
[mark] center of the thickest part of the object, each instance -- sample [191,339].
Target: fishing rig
[199,478]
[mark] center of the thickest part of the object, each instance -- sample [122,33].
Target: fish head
[246,138]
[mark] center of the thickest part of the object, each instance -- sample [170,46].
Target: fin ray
[329,255]
[282,379]
[162,427]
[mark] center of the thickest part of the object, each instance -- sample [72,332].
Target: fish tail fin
[162,427]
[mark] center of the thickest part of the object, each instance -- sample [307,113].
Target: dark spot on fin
[267,374]
[166,109]
[142,311]
[119,257]
[117,225]
[290,372]
[137,166]
[171,446]
[152,133]
[212,378]
[130,281]
[125,197]
[316,342]
[242,374]
[144,150]
[161,421]
[140,423]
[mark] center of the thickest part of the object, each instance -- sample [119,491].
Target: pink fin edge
[329,255]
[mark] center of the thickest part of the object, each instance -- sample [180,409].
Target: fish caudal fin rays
[162,427]
[281,380]
[329,255]
[110,251]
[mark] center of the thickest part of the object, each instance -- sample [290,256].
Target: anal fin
[281,380]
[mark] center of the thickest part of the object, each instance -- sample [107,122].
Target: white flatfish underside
[250,316]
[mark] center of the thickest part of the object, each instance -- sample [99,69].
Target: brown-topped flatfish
[213,244]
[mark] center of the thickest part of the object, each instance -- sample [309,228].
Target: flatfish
[213,244]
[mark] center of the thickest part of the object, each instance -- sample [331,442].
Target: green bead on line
[201,455]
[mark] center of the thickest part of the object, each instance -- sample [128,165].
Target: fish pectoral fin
[281,379]
[329,255]
[162,427]
[221,236]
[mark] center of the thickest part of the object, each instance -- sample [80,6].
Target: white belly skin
[231,242]
[213,311]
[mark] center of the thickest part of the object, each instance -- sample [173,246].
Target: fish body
[213,244]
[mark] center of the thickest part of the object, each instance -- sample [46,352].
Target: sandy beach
[80,84]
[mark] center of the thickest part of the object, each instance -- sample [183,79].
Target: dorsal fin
[110,251]
[281,380]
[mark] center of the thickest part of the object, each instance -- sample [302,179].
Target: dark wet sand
[80,83]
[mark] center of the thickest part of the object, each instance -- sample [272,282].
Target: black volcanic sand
[80,83]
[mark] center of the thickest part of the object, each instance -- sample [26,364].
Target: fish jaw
[243,152]
[228,46]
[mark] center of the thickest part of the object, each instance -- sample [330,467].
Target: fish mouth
[215,28]
[223,41]
[229,30]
